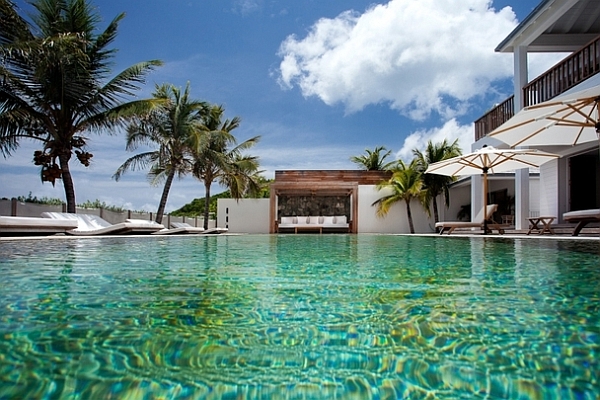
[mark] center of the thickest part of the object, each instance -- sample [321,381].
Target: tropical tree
[55,85]
[220,159]
[374,160]
[405,184]
[435,185]
[175,128]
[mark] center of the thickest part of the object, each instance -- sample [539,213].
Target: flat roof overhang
[556,26]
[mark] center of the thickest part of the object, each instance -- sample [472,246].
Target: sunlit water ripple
[299,317]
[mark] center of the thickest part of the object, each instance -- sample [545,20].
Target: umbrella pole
[485,191]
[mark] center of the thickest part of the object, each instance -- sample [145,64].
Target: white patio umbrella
[490,160]
[569,119]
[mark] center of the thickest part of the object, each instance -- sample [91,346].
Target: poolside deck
[562,231]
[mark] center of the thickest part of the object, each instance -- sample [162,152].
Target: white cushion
[340,219]
[141,221]
[591,213]
[180,225]
[328,220]
[287,220]
[313,220]
[302,220]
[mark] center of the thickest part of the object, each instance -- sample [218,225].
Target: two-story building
[571,182]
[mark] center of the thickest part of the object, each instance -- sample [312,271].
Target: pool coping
[436,235]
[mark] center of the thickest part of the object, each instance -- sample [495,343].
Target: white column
[521,79]
[522,198]
[522,175]
[476,195]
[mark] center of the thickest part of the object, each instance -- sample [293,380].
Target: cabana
[325,196]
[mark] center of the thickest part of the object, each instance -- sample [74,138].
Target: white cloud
[245,7]
[450,131]
[417,55]
[538,63]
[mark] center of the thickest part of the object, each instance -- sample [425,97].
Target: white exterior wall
[243,216]
[534,196]
[548,190]
[459,196]
[396,221]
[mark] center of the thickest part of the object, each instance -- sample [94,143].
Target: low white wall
[396,221]
[26,209]
[244,215]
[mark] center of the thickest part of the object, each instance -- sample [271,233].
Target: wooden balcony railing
[570,72]
[495,117]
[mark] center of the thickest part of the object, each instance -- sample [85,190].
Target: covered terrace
[319,193]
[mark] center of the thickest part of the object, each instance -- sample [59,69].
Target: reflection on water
[299,316]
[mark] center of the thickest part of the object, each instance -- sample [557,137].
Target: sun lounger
[478,222]
[92,225]
[34,226]
[181,228]
[582,218]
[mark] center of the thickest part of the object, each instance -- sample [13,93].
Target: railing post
[13,207]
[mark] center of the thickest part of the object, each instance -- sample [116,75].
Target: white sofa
[313,223]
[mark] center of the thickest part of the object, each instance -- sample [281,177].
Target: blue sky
[319,81]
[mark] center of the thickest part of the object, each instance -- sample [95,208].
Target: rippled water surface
[299,317]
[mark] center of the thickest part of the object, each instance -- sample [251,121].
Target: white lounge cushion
[288,220]
[180,225]
[313,220]
[328,220]
[340,220]
[34,225]
[302,220]
[89,224]
[591,213]
[141,221]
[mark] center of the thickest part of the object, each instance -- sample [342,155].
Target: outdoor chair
[92,225]
[478,222]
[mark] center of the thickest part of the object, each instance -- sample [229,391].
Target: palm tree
[435,185]
[215,161]
[174,127]
[374,160]
[55,85]
[404,184]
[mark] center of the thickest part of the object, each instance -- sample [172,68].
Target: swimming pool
[299,317]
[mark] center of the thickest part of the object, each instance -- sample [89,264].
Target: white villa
[569,183]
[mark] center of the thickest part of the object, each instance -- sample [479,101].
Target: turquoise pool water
[299,317]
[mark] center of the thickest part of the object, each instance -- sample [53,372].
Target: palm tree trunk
[67,179]
[206,203]
[164,197]
[410,219]
[436,215]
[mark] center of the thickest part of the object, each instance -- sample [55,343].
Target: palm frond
[136,162]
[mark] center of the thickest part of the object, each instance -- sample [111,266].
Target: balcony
[570,72]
